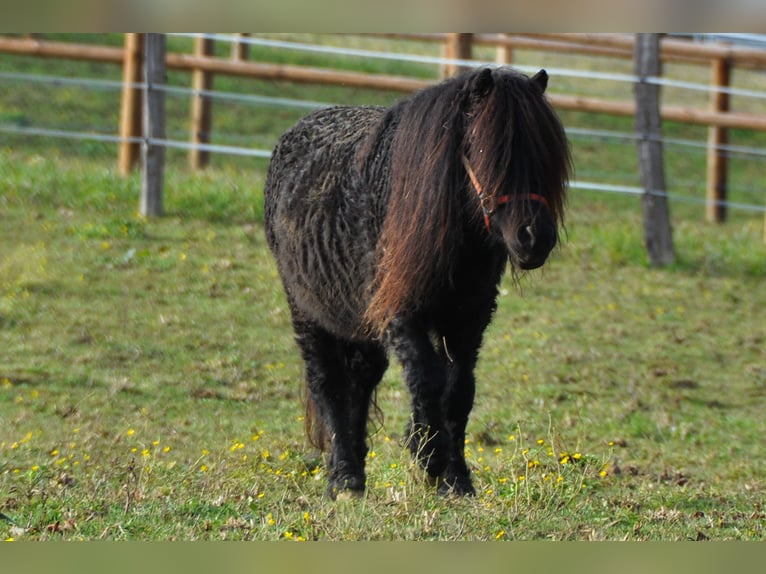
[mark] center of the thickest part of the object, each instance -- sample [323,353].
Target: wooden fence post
[458,47]
[717,136]
[240,50]
[504,55]
[152,152]
[658,235]
[201,107]
[130,109]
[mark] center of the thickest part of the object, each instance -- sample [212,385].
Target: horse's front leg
[460,336]
[426,378]
[458,402]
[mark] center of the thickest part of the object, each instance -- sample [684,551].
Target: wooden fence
[721,58]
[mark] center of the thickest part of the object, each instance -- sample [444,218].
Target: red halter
[497,200]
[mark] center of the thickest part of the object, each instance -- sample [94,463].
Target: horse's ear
[541,79]
[483,83]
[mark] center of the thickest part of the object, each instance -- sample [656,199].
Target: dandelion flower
[130,432]
[499,535]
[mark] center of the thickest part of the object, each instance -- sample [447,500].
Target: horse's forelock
[517,144]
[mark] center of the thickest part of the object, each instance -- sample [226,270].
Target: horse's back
[317,211]
[321,142]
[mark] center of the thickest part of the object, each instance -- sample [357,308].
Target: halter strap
[497,200]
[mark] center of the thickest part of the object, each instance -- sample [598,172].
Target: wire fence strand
[9,126]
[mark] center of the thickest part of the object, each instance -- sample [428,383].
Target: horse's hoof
[346,488]
[434,481]
[456,487]
[344,495]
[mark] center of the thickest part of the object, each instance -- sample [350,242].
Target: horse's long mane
[490,116]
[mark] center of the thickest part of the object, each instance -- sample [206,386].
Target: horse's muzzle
[531,244]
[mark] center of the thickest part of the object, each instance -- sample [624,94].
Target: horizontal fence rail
[601,45]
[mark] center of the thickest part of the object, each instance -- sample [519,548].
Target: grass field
[150,388]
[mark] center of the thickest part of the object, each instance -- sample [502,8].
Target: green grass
[150,388]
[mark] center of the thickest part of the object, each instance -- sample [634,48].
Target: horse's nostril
[526,236]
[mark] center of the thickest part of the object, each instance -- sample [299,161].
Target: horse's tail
[316,430]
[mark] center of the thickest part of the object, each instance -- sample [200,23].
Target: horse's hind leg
[340,379]
[365,365]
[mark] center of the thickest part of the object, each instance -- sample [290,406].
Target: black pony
[391,229]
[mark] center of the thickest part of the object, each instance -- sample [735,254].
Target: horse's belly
[327,275]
